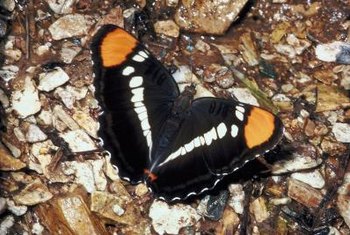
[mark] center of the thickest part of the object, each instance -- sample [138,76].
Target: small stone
[78,141]
[167,27]
[280,201]
[55,78]
[45,117]
[15,209]
[337,51]
[236,201]
[4,99]
[65,117]
[34,134]
[8,162]
[230,222]
[297,163]
[86,122]
[314,178]
[304,194]
[248,49]
[8,4]
[61,6]
[341,132]
[34,193]
[68,26]
[215,205]
[43,49]
[343,200]
[259,210]
[37,229]
[26,102]
[244,96]
[8,72]
[3,205]
[331,98]
[199,16]
[110,171]
[69,51]
[70,94]
[285,49]
[141,190]
[181,216]
[6,224]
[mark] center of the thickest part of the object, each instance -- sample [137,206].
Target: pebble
[6,224]
[8,4]
[69,94]
[4,99]
[45,118]
[37,229]
[343,200]
[3,205]
[199,16]
[61,6]
[259,210]
[167,27]
[244,96]
[8,72]
[34,134]
[314,178]
[141,190]
[86,122]
[337,51]
[15,209]
[26,102]
[68,26]
[34,193]
[236,201]
[78,141]
[55,78]
[341,132]
[69,51]
[110,171]
[181,216]
[8,162]
[65,117]
[297,163]
[304,194]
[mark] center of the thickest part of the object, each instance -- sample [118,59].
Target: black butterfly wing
[136,93]
[216,138]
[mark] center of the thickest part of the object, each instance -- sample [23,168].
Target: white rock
[167,27]
[45,117]
[8,4]
[34,134]
[259,210]
[280,201]
[244,96]
[61,6]
[285,49]
[110,171]
[298,162]
[37,228]
[16,210]
[343,200]
[9,72]
[86,122]
[78,141]
[341,132]
[43,49]
[4,99]
[118,210]
[70,94]
[88,173]
[236,201]
[68,26]
[16,152]
[61,114]
[6,224]
[51,80]
[170,219]
[69,51]
[334,52]
[314,178]
[26,102]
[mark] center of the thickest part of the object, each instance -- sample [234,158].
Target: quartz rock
[34,193]
[78,141]
[167,27]
[341,132]
[34,134]
[61,6]
[55,78]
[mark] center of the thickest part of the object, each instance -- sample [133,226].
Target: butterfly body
[177,145]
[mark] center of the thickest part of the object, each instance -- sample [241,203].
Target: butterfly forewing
[136,93]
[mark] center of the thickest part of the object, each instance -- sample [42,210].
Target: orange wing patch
[259,128]
[115,47]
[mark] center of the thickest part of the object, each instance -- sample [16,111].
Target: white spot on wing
[138,94]
[197,142]
[189,147]
[143,116]
[239,115]
[143,54]
[138,58]
[240,108]
[221,129]
[128,70]
[210,136]
[138,104]
[145,125]
[183,151]
[140,109]
[135,81]
[234,130]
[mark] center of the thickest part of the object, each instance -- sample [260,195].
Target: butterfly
[177,145]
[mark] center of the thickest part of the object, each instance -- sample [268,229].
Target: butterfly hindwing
[216,138]
[136,93]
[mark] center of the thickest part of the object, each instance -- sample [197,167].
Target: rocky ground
[289,56]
